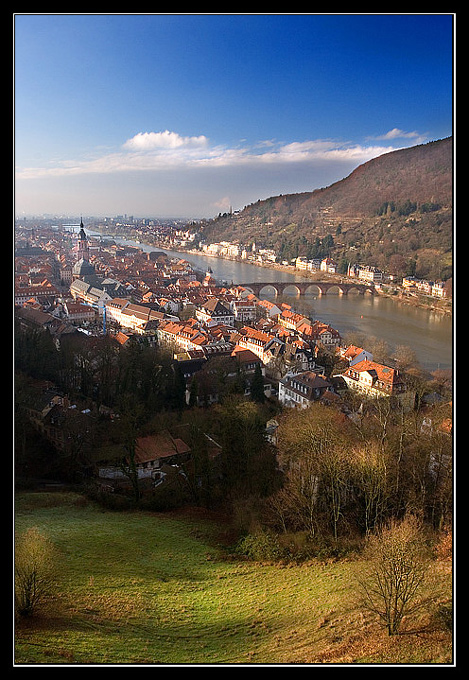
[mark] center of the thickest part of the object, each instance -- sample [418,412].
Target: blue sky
[186,115]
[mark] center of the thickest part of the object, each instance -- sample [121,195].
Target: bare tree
[397,568]
[335,483]
[131,419]
[370,472]
[313,455]
[35,569]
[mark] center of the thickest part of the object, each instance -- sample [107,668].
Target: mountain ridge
[399,203]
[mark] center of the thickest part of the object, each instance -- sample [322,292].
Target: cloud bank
[165,173]
[154,151]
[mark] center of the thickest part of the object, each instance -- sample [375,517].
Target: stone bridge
[309,287]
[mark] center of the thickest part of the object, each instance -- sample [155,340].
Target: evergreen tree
[257,386]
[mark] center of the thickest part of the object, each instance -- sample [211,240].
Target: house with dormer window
[374,380]
[213,312]
[302,389]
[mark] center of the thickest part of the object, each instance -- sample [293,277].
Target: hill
[399,204]
[149,588]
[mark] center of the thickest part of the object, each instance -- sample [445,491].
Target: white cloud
[158,151]
[222,203]
[165,173]
[148,141]
[396,133]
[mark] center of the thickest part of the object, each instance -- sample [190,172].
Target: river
[428,333]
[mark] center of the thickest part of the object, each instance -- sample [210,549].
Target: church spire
[83,250]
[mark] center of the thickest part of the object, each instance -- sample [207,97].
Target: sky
[190,115]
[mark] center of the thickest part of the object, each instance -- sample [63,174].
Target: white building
[243,310]
[214,312]
[328,265]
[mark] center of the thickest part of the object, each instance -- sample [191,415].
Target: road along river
[428,333]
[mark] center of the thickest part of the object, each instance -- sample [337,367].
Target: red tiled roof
[159,446]
[383,373]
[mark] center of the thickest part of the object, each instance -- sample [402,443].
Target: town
[177,235]
[70,284]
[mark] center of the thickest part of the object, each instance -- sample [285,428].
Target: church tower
[83,249]
[83,268]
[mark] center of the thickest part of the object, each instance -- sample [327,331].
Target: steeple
[82,230]
[83,250]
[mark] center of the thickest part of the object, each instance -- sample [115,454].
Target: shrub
[261,545]
[444,548]
[35,568]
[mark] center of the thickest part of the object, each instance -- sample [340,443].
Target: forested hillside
[395,210]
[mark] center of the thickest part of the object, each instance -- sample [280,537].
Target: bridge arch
[313,289]
[335,289]
[265,288]
[288,286]
[249,289]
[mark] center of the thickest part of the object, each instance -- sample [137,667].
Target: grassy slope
[149,588]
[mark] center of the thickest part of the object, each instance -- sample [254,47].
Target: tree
[179,388]
[194,392]
[405,357]
[35,569]
[247,462]
[312,453]
[198,471]
[397,568]
[335,477]
[257,386]
[370,473]
[130,422]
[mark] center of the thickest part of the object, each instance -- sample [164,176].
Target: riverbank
[413,299]
[397,294]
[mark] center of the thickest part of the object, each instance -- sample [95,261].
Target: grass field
[147,588]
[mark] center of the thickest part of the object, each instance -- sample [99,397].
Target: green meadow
[153,588]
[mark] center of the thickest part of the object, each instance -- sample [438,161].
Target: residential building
[319,332]
[409,282]
[302,389]
[114,308]
[439,289]
[212,312]
[291,320]
[243,310]
[152,454]
[138,318]
[301,263]
[185,336]
[374,380]
[267,347]
[78,312]
[353,354]
[328,265]
[425,286]
[91,295]
[44,293]
[270,309]
[371,274]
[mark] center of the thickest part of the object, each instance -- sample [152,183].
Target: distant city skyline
[189,115]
